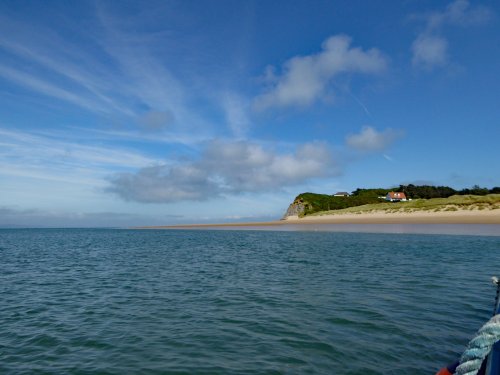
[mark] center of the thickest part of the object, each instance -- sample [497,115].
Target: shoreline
[422,217]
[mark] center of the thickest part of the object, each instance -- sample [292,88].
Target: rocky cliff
[295,209]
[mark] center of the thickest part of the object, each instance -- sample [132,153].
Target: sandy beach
[381,217]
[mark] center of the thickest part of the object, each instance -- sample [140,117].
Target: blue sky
[163,112]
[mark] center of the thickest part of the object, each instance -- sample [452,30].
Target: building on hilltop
[396,196]
[341,194]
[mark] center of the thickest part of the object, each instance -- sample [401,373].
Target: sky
[122,113]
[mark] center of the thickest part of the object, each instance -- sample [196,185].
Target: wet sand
[421,217]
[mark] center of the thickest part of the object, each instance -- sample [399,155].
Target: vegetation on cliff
[322,202]
[453,203]
[312,203]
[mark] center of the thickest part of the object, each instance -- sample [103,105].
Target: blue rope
[479,347]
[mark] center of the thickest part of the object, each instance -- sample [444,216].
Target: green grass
[453,203]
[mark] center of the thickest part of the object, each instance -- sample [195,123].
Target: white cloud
[232,167]
[371,140]
[236,111]
[165,184]
[430,49]
[246,166]
[461,13]
[226,167]
[305,79]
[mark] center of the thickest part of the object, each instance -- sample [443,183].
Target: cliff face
[295,209]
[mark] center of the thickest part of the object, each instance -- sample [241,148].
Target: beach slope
[374,217]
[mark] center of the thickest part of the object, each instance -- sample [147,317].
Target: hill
[453,203]
[421,198]
[310,203]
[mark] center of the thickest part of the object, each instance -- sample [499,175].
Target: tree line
[429,191]
[324,202]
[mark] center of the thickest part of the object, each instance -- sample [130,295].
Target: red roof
[397,195]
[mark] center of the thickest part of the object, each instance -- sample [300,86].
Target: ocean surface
[85,301]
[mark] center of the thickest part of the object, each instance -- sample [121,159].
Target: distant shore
[418,217]
[381,217]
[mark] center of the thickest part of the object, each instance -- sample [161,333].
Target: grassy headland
[457,209]
[453,203]
[314,203]
[420,198]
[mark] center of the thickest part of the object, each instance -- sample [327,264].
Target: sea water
[106,301]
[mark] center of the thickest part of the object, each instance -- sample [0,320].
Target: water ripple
[235,302]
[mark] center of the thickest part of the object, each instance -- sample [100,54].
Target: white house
[396,196]
[341,194]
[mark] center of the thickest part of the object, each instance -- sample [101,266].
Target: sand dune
[419,217]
